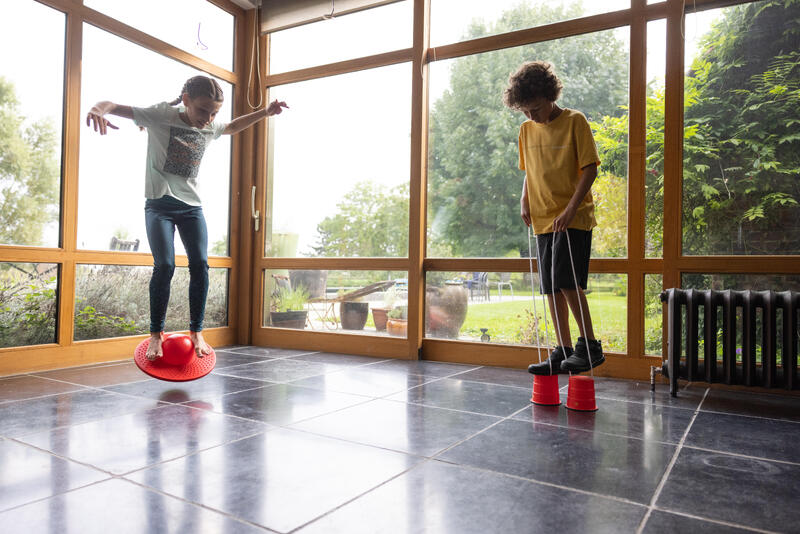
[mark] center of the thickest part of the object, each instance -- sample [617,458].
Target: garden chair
[505,281]
[126,246]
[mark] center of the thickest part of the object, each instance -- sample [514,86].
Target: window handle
[253,211]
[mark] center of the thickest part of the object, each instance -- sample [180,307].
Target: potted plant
[353,314]
[397,323]
[381,315]
[289,308]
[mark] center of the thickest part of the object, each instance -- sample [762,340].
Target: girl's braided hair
[200,86]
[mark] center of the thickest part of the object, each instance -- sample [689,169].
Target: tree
[474,181]
[370,222]
[29,173]
[742,146]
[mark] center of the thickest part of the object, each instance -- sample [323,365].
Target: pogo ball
[178,349]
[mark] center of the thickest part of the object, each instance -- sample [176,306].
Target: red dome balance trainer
[179,362]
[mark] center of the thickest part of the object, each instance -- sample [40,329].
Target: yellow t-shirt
[552,156]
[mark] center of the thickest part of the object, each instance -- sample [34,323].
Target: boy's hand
[561,223]
[275,108]
[525,211]
[95,117]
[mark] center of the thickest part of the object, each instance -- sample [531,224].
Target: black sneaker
[552,365]
[578,362]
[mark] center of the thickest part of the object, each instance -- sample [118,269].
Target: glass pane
[460,20]
[31,101]
[28,303]
[360,34]
[741,146]
[474,181]
[113,301]
[654,163]
[196,26]
[653,321]
[111,190]
[354,302]
[338,188]
[472,306]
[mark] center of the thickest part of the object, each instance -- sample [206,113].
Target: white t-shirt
[174,152]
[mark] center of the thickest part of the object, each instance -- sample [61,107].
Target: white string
[333,10]
[580,302]
[533,297]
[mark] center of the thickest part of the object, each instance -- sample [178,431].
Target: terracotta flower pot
[379,317]
[397,327]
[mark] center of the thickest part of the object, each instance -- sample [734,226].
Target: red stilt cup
[580,395]
[545,390]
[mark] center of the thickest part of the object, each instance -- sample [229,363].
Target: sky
[338,131]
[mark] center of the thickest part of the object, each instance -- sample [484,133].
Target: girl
[176,140]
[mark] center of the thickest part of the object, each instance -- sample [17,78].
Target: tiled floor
[286,441]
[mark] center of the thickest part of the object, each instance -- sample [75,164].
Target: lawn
[505,319]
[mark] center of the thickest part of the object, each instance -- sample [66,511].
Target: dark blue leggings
[161,217]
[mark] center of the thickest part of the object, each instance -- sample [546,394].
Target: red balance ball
[178,349]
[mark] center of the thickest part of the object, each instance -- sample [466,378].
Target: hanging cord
[580,301]
[333,10]
[256,55]
[533,297]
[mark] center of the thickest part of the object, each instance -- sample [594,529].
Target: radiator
[738,363]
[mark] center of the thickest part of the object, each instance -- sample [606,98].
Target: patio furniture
[478,286]
[505,281]
[327,312]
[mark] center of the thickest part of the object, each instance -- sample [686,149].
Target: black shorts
[561,275]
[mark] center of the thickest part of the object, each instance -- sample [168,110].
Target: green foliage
[27,305]
[291,299]
[371,222]
[474,184]
[29,173]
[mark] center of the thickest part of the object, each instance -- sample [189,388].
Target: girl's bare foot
[154,348]
[201,348]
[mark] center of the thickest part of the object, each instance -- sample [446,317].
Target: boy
[559,157]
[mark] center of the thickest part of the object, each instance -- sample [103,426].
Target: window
[31,100]
[474,181]
[112,167]
[339,186]
[28,302]
[196,26]
[741,115]
[113,301]
[460,20]
[654,157]
[378,30]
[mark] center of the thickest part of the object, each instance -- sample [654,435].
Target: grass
[505,319]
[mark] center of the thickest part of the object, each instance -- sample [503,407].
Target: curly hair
[532,80]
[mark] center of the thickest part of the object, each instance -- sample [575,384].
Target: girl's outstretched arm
[245,121]
[96,115]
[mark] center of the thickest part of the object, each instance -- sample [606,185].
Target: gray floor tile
[209,386]
[21,387]
[66,409]
[282,370]
[281,479]
[282,404]
[426,368]
[633,419]
[122,444]
[27,474]
[600,463]
[752,436]
[365,381]
[230,359]
[477,397]
[440,498]
[735,489]
[666,523]
[98,375]
[120,507]
[753,403]
[500,375]
[399,426]
[339,359]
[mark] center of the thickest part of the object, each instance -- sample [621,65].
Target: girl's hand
[101,124]
[275,108]
[561,223]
